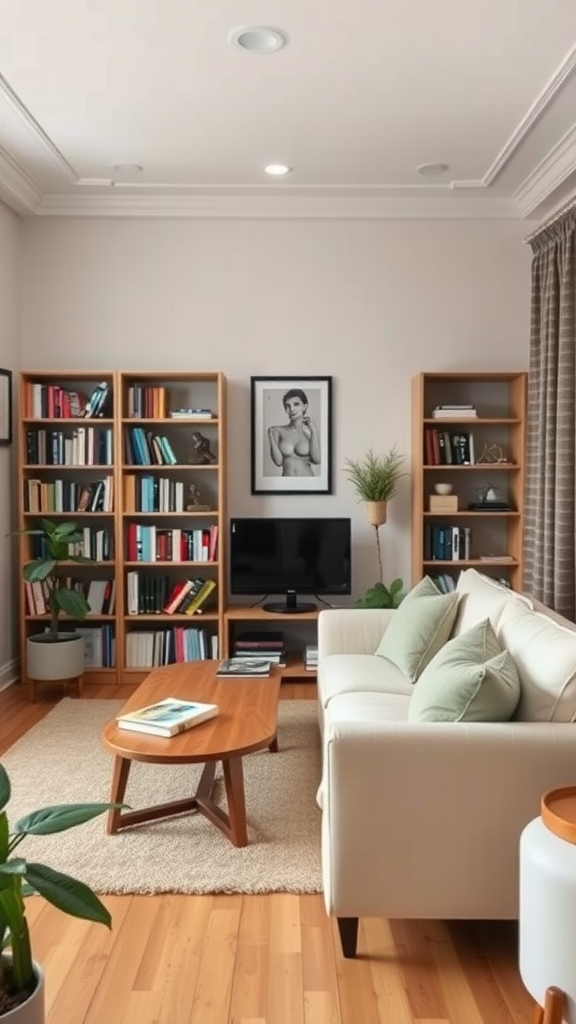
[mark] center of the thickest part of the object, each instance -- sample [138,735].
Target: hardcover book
[243,668]
[168,717]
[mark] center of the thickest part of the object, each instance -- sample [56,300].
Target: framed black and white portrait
[5,407]
[291,425]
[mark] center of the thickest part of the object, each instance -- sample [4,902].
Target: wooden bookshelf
[495,537]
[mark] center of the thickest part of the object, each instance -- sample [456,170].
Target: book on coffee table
[168,717]
[243,668]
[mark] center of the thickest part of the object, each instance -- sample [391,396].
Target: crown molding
[279,207]
[548,175]
[17,189]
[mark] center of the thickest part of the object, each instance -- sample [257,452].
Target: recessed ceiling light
[429,170]
[258,38]
[127,168]
[277,169]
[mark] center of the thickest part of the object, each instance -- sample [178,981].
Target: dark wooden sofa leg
[348,928]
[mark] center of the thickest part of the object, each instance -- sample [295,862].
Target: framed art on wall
[5,406]
[291,435]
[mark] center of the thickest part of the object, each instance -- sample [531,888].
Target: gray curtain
[551,446]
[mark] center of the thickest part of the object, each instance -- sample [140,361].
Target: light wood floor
[272,959]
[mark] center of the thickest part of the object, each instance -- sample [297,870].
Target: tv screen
[290,557]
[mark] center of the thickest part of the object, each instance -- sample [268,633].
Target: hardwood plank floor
[273,959]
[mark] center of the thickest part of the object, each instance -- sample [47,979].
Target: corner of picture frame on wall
[5,406]
[291,435]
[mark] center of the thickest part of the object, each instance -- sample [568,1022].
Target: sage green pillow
[420,626]
[472,679]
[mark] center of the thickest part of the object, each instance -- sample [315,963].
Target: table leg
[234,781]
[120,775]
[554,1006]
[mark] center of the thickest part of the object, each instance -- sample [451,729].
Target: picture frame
[291,435]
[5,406]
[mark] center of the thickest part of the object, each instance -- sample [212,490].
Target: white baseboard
[9,673]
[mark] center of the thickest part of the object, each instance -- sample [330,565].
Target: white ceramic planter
[32,1011]
[55,661]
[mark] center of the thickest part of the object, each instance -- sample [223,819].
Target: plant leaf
[17,866]
[38,570]
[67,894]
[4,787]
[72,602]
[58,818]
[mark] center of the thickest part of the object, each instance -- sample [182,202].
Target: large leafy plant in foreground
[19,878]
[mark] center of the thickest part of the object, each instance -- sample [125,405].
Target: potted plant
[375,480]
[21,979]
[56,653]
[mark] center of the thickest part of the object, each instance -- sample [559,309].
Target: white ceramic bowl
[443,488]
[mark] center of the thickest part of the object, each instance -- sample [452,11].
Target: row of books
[95,544]
[100,595]
[153,594]
[86,446]
[69,495]
[447,543]
[145,493]
[99,645]
[143,448]
[151,648]
[147,401]
[155,544]
[443,448]
[51,401]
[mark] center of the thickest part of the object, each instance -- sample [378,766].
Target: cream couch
[422,820]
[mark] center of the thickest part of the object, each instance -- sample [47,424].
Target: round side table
[547,916]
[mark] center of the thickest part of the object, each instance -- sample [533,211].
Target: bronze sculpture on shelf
[195,504]
[202,454]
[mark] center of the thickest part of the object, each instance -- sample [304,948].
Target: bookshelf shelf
[500,426]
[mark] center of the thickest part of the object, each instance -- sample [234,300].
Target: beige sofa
[422,820]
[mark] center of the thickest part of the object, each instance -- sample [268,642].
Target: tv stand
[290,605]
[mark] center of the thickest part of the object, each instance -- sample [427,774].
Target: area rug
[62,760]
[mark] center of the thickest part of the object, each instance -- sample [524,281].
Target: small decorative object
[492,453]
[375,479]
[291,435]
[488,500]
[443,488]
[21,979]
[202,454]
[195,505]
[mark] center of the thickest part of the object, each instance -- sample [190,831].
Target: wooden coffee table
[246,721]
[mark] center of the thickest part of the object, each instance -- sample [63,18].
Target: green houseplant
[56,654]
[19,979]
[375,479]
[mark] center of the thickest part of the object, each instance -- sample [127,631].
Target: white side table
[547,925]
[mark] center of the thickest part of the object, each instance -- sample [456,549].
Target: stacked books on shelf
[446,448]
[243,668]
[447,543]
[156,647]
[445,582]
[453,411]
[146,449]
[149,594]
[146,401]
[168,717]
[156,544]
[85,446]
[261,646]
[198,413]
[311,657]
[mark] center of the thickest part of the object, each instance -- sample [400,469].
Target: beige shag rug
[62,760]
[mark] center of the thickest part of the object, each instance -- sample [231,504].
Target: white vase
[49,660]
[32,1010]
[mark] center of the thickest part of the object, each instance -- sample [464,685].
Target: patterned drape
[551,444]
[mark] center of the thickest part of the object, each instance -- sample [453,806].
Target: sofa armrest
[351,630]
[425,820]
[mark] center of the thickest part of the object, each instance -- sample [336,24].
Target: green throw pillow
[470,680]
[420,626]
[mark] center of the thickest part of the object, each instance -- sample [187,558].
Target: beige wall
[369,302]
[10,229]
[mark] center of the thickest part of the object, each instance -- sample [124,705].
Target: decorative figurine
[202,454]
[492,453]
[195,504]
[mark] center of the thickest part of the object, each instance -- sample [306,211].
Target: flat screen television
[290,557]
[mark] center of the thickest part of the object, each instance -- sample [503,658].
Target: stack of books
[243,668]
[311,657]
[261,646]
[452,411]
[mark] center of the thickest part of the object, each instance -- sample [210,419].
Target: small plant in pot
[375,480]
[21,979]
[56,654]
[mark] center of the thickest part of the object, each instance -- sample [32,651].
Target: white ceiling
[363,93]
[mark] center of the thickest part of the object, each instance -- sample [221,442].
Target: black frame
[5,406]
[266,401]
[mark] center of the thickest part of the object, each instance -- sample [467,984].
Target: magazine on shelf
[243,668]
[167,717]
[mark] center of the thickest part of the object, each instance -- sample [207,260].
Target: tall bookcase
[164,517]
[476,455]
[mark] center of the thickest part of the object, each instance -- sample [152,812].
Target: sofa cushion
[351,673]
[545,656]
[419,628]
[471,679]
[481,598]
